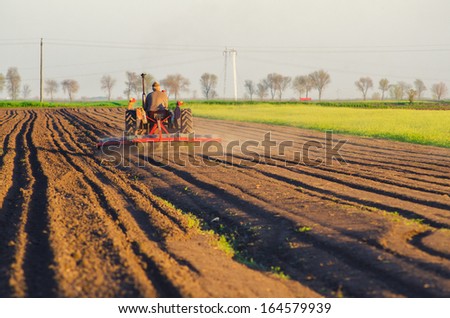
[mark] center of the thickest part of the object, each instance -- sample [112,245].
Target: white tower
[233,53]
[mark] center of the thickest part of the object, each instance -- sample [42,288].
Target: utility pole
[225,53]
[41,73]
[233,53]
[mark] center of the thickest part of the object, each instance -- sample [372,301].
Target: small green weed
[276,270]
[225,246]
[304,229]
[193,222]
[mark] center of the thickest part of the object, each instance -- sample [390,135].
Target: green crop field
[430,127]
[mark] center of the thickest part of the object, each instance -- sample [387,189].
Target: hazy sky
[401,40]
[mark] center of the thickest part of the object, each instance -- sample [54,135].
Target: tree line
[13,81]
[400,90]
[174,84]
[273,86]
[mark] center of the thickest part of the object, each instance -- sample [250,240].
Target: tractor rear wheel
[187,122]
[130,121]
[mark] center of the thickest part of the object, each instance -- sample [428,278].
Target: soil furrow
[350,197]
[380,145]
[7,158]
[151,256]
[184,278]
[344,190]
[359,184]
[244,205]
[293,208]
[372,223]
[11,219]
[7,116]
[363,158]
[132,191]
[114,224]
[357,149]
[38,258]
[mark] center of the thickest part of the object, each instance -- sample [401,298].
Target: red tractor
[140,127]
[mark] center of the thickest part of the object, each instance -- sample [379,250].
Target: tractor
[178,127]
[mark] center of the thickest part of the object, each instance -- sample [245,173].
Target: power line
[125,70]
[249,49]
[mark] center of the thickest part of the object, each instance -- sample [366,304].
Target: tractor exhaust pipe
[143,89]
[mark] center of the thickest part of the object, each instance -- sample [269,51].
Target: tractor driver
[157,102]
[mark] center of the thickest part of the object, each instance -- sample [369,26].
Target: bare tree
[439,90]
[70,87]
[261,90]
[399,90]
[107,84]
[133,84]
[364,84]
[271,82]
[250,88]
[276,84]
[175,84]
[320,80]
[13,82]
[405,87]
[420,87]
[302,84]
[51,87]
[297,86]
[208,83]
[395,91]
[2,82]
[383,85]
[376,96]
[411,95]
[26,91]
[148,81]
[282,85]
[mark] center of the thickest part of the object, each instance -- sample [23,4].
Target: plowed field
[369,219]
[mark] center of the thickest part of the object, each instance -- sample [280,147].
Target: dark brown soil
[369,220]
